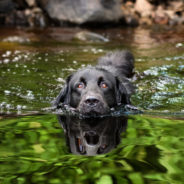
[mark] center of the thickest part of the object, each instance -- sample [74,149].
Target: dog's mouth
[97,110]
[91,113]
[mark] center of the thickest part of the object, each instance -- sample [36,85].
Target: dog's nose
[91,101]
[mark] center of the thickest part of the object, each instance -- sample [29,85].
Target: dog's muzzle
[92,104]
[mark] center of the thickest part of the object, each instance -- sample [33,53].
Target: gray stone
[90,37]
[6,6]
[83,11]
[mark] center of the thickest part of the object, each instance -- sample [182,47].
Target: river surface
[39,146]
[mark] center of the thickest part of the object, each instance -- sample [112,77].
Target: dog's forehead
[93,74]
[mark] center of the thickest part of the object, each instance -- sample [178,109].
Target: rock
[131,20]
[176,20]
[6,6]
[143,7]
[31,3]
[20,4]
[35,17]
[83,11]
[130,16]
[90,36]
[145,21]
[16,39]
[175,12]
[16,17]
[177,6]
[160,16]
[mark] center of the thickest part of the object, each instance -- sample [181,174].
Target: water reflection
[92,136]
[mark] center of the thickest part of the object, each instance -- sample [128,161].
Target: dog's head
[94,91]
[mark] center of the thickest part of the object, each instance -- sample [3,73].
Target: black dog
[95,90]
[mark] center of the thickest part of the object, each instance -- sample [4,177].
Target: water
[34,149]
[38,146]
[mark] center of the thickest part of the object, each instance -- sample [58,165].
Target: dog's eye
[80,85]
[103,85]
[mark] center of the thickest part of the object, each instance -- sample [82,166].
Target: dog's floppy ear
[123,91]
[64,94]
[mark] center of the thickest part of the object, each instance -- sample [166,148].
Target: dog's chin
[93,112]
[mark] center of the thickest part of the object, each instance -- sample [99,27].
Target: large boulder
[6,6]
[83,11]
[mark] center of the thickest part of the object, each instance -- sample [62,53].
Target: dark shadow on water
[92,136]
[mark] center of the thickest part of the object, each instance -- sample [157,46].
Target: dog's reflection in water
[92,136]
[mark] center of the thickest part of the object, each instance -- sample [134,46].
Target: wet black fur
[115,68]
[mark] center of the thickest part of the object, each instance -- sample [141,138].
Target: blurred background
[43,13]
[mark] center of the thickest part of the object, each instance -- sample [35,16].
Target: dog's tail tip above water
[121,59]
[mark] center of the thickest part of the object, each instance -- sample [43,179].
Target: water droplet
[179,45]
[7,92]
[6,61]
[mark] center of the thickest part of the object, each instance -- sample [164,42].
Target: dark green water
[141,149]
